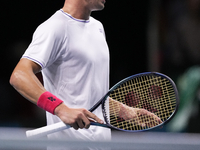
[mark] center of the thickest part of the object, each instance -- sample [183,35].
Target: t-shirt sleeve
[46,45]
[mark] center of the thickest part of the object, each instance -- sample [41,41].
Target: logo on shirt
[51,99]
[101,30]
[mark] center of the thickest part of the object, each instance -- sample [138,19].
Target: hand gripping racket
[138,103]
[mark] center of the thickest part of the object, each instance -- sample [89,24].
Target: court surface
[15,139]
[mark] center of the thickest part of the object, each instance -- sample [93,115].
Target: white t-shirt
[74,57]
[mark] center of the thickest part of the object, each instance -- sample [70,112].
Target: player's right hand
[76,117]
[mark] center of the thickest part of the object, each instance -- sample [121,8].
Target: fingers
[75,126]
[81,119]
[94,118]
[77,118]
[139,116]
[84,119]
[148,119]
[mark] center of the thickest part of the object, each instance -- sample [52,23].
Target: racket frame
[102,101]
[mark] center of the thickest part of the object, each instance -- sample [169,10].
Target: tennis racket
[138,103]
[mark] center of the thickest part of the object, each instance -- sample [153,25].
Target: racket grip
[43,131]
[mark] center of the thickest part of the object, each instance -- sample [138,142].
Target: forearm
[26,83]
[129,113]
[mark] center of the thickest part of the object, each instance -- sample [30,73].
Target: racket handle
[43,131]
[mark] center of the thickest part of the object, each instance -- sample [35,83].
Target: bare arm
[130,113]
[24,80]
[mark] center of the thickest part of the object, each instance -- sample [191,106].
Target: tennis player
[71,51]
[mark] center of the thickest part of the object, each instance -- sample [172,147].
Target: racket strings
[152,93]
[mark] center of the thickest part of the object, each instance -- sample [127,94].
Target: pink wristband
[48,102]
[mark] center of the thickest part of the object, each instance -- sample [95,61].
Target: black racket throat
[100,102]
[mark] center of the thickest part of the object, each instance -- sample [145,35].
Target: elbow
[14,79]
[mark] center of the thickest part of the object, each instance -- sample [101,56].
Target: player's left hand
[141,117]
